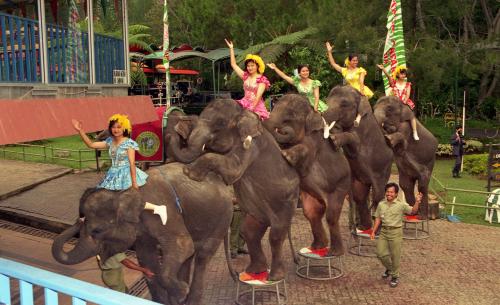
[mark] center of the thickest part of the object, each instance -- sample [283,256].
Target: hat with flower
[122,120]
[258,60]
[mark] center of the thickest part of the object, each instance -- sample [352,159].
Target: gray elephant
[231,142]
[415,159]
[369,156]
[199,214]
[324,171]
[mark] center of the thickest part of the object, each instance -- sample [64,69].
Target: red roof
[35,119]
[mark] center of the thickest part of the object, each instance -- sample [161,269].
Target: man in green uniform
[112,271]
[390,214]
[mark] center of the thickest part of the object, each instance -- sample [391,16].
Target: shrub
[471,146]
[476,165]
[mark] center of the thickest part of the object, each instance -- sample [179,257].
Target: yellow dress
[352,78]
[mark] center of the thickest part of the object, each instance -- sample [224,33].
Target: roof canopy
[214,55]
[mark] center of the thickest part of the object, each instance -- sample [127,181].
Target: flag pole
[166,47]
[463,131]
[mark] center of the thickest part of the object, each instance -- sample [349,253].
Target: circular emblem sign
[148,143]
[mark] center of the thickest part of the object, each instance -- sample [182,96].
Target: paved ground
[458,264]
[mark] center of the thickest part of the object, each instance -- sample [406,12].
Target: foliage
[444,150]
[451,45]
[476,165]
[138,78]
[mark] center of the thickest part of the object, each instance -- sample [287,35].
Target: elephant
[414,159]
[199,214]
[324,172]
[369,156]
[232,142]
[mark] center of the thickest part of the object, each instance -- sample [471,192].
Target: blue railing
[19,56]
[52,283]
[68,53]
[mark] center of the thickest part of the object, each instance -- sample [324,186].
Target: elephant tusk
[382,124]
[327,128]
[247,142]
[203,147]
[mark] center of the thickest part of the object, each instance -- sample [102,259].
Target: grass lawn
[66,151]
[442,171]
[443,133]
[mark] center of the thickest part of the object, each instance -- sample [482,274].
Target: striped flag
[166,46]
[394,50]
[74,58]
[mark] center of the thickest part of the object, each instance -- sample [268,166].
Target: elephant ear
[406,113]
[314,121]
[184,128]
[364,106]
[130,206]
[249,126]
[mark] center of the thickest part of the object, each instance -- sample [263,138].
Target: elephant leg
[296,154]
[277,236]
[185,270]
[175,253]
[333,211]
[360,193]
[314,211]
[348,140]
[253,231]
[203,257]
[423,187]
[147,256]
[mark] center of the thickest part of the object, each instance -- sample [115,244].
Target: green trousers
[113,278]
[389,249]
[235,241]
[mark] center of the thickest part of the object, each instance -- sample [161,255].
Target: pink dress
[250,92]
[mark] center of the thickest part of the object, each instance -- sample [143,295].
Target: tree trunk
[419,15]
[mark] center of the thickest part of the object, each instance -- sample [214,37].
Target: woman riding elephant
[199,214]
[414,159]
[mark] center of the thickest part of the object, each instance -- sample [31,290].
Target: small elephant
[414,159]
[324,172]
[231,142]
[199,214]
[369,156]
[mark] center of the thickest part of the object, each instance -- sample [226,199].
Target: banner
[149,137]
[166,46]
[394,49]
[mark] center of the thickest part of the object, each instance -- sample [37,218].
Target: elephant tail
[233,273]
[294,254]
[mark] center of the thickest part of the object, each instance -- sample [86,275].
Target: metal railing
[445,198]
[53,284]
[67,53]
[49,154]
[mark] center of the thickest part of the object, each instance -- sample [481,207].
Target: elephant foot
[389,139]
[319,244]
[194,173]
[256,268]
[336,251]
[277,273]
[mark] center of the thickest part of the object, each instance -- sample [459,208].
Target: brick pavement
[458,264]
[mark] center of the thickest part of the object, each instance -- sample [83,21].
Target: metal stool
[262,286]
[418,231]
[324,266]
[363,245]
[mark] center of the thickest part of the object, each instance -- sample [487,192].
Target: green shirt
[391,213]
[309,92]
[114,262]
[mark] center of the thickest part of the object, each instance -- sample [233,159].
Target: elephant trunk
[196,145]
[379,116]
[84,249]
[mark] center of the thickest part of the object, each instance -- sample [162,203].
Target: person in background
[236,242]
[112,271]
[457,143]
[389,215]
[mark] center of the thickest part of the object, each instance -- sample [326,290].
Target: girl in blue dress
[123,173]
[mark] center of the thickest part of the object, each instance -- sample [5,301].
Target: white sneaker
[415,136]
[161,211]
